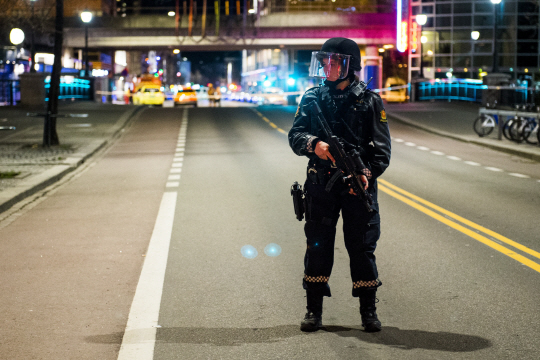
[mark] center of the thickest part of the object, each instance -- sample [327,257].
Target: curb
[509,149]
[54,174]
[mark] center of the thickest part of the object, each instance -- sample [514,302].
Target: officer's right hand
[322,151]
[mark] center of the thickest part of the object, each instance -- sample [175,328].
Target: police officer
[359,120]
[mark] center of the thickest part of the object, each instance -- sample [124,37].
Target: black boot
[313,319]
[370,322]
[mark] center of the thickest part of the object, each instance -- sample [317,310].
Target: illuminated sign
[414,37]
[403,39]
[402,28]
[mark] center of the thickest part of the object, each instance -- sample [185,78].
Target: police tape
[296,93]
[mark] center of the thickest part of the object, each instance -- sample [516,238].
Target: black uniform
[362,124]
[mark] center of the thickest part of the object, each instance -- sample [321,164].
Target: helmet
[337,57]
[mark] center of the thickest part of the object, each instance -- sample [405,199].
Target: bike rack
[514,113]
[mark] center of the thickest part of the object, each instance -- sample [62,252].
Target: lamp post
[421,21]
[495,67]
[32,43]
[475,35]
[86,17]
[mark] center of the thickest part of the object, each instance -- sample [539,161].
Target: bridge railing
[72,88]
[237,8]
[346,6]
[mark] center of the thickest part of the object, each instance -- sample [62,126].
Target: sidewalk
[455,120]
[37,167]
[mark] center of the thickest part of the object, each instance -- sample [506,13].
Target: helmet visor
[330,66]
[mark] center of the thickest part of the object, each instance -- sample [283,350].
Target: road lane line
[269,122]
[140,334]
[385,188]
[463,220]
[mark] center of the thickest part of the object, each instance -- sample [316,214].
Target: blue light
[249,252]
[291,81]
[267,83]
[272,250]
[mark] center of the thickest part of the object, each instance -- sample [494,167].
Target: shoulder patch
[297,111]
[383,116]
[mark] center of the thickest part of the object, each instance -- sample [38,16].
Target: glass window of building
[462,35]
[527,61]
[444,9]
[483,47]
[483,20]
[442,61]
[462,8]
[480,7]
[461,48]
[528,20]
[443,21]
[527,47]
[462,20]
[528,6]
[461,61]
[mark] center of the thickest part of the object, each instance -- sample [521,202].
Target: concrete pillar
[33,89]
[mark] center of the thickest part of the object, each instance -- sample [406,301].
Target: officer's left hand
[364,181]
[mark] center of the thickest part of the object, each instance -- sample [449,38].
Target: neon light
[398,26]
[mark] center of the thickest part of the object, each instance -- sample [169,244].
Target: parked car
[273,96]
[394,95]
[149,95]
[185,97]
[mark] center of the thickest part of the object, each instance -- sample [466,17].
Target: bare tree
[35,18]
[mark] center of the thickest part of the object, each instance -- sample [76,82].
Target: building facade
[468,38]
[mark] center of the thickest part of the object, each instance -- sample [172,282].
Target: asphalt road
[207,188]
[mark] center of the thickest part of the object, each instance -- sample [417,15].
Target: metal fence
[459,89]
[72,88]
[508,95]
[9,92]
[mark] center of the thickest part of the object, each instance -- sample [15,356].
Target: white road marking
[455,158]
[180,158]
[520,175]
[177,165]
[174,177]
[171,184]
[140,334]
[176,170]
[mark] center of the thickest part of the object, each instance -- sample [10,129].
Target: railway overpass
[252,33]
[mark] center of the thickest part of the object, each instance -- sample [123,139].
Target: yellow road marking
[269,122]
[463,220]
[384,186]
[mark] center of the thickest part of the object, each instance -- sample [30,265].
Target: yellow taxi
[185,96]
[149,95]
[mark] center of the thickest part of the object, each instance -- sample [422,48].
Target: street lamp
[86,17]
[495,68]
[16,36]
[421,20]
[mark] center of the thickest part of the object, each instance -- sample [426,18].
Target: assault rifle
[349,163]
